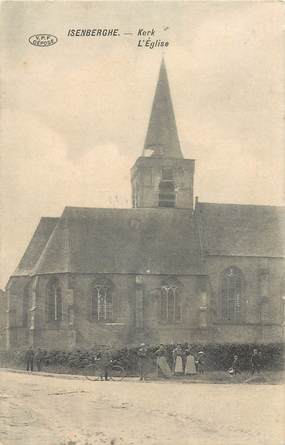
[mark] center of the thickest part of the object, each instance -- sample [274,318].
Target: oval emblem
[43,40]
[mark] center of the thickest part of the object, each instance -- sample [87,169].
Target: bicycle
[94,372]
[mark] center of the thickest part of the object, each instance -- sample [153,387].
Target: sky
[74,115]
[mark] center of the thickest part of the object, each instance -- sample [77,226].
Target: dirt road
[39,410]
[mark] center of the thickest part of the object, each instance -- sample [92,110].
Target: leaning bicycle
[95,372]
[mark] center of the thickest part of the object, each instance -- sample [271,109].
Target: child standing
[235,369]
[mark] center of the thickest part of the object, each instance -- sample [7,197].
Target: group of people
[255,363]
[181,362]
[34,357]
[185,362]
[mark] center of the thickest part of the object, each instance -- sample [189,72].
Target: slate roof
[242,230]
[154,241]
[162,134]
[92,240]
[36,246]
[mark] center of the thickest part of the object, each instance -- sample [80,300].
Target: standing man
[142,358]
[201,362]
[38,359]
[30,359]
[105,363]
[260,361]
[254,361]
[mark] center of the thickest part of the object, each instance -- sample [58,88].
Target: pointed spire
[162,137]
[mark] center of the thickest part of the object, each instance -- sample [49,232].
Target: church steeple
[162,137]
[161,177]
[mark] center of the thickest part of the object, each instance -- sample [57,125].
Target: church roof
[36,246]
[154,241]
[162,136]
[140,241]
[242,230]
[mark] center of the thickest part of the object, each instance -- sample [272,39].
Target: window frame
[99,302]
[54,301]
[170,302]
[167,188]
[167,194]
[231,295]
[25,306]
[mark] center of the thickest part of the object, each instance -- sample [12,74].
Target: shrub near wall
[12,359]
[218,357]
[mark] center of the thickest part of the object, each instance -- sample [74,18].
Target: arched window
[231,294]
[26,306]
[170,301]
[167,195]
[54,300]
[102,301]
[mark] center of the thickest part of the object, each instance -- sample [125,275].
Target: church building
[170,269]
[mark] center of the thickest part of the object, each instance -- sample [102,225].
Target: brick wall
[17,335]
[137,309]
[261,315]
[146,177]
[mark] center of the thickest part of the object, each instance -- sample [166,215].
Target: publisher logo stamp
[42,40]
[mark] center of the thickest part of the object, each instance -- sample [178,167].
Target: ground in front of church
[37,409]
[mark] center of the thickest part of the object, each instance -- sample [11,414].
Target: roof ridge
[129,209]
[241,205]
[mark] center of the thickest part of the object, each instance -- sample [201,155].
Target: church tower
[161,177]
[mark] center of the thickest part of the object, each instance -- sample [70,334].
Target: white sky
[74,115]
